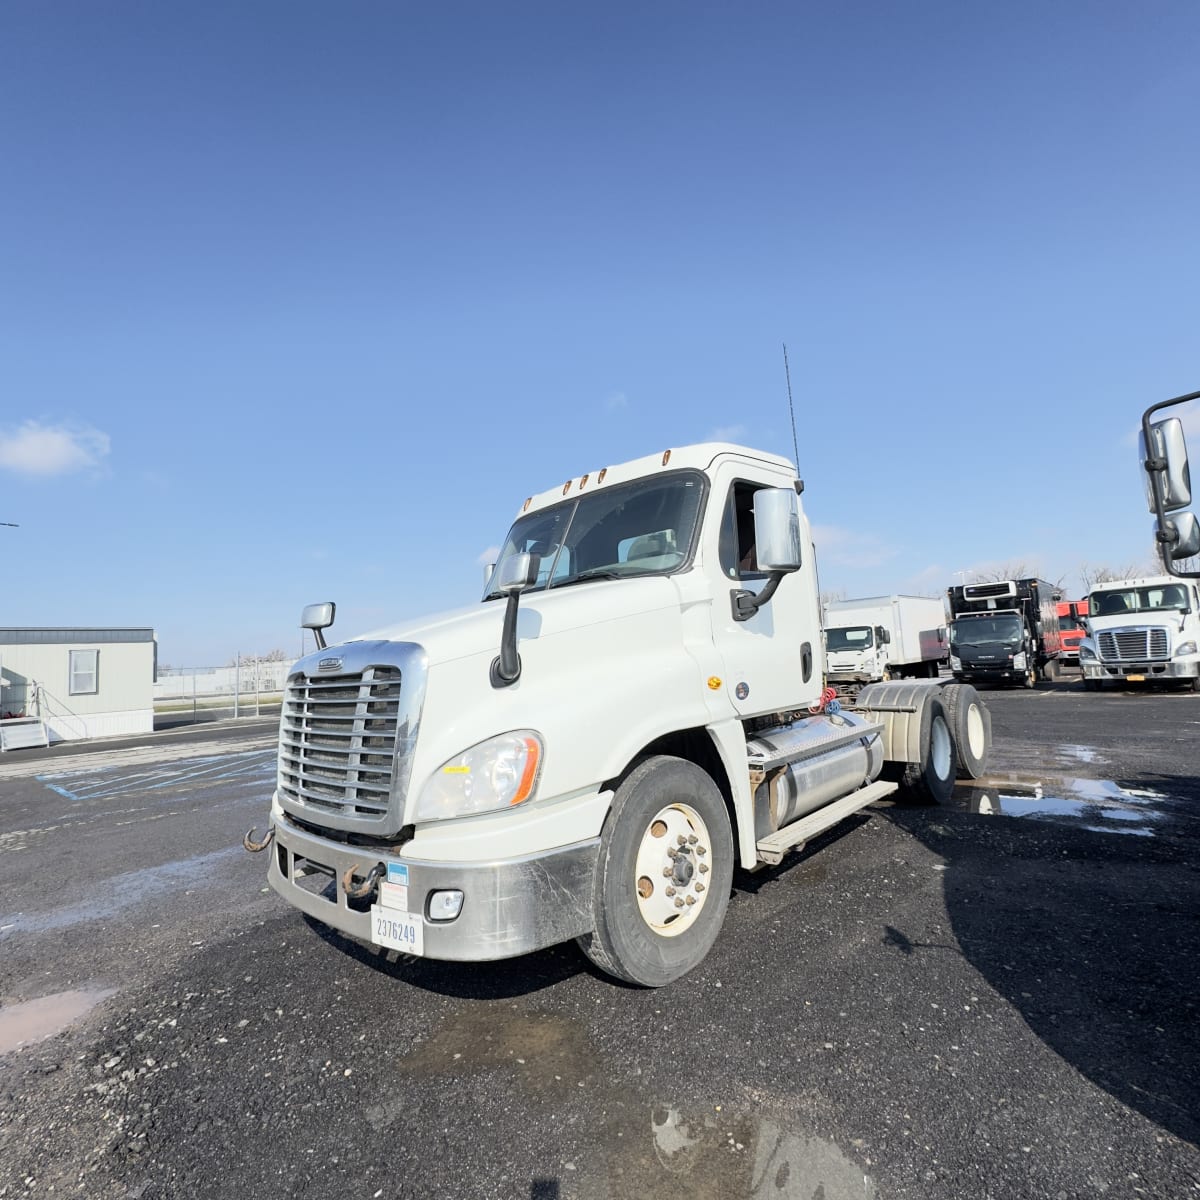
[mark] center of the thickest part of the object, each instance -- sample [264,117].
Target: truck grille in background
[337,740]
[1137,644]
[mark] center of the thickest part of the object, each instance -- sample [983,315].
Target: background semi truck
[636,708]
[884,637]
[1071,630]
[1005,631]
[1142,630]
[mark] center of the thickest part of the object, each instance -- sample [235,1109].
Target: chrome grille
[1140,645]
[337,742]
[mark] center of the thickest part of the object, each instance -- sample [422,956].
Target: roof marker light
[583,483]
[666,457]
[600,477]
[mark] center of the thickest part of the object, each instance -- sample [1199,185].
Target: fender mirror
[318,617]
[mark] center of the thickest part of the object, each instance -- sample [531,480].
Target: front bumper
[510,906]
[1140,671]
[988,674]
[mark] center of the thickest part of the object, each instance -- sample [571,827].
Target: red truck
[1071,628]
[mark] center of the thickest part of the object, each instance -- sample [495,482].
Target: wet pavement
[991,999]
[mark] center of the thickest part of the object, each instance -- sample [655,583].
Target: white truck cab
[635,707]
[1142,630]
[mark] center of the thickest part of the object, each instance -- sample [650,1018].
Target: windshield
[975,631]
[640,528]
[1067,624]
[1154,598]
[856,637]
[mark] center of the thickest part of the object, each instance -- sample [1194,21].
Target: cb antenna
[791,408]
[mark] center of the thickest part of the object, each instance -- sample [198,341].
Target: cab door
[774,661]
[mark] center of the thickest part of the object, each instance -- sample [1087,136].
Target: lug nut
[670,891]
[699,887]
[693,840]
[682,840]
[667,872]
[678,901]
[691,900]
[701,850]
[703,869]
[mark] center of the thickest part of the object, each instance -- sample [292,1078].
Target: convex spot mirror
[777,529]
[1183,535]
[1167,446]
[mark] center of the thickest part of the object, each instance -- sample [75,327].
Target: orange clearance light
[567,486]
[525,506]
[714,683]
[666,457]
[583,483]
[600,477]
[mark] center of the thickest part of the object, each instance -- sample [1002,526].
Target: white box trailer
[884,637]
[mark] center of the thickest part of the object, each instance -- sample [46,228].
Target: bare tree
[1009,570]
[1090,575]
[834,595]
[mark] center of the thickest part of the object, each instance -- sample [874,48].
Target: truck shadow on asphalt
[503,979]
[1093,937]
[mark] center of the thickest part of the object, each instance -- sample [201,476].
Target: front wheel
[663,874]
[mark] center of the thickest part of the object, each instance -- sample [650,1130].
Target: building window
[85,672]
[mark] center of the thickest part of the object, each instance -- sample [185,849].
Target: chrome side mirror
[777,529]
[1163,450]
[517,572]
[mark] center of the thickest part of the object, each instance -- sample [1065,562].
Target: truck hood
[460,633]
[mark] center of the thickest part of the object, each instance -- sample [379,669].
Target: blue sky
[300,301]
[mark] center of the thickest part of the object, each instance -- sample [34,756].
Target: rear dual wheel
[971,728]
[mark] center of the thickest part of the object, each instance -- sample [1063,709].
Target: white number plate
[397,930]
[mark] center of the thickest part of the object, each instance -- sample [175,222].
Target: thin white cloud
[489,557]
[37,449]
[845,548]
[727,433]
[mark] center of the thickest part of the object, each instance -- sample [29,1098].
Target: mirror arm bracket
[506,669]
[746,603]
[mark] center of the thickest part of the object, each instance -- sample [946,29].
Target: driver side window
[737,550]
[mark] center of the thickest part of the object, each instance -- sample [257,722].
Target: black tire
[970,727]
[931,780]
[625,941]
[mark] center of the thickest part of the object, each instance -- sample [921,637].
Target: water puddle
[35,1020]
[717,1155]
[1100,805]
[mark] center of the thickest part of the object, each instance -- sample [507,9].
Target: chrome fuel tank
[810,763]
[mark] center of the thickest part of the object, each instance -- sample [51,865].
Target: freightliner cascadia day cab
[1143,630]
[635,708]
[884,637]
[1004,632]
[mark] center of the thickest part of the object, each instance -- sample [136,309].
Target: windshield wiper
[585,576]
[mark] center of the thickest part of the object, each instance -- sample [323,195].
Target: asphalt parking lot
[995,998]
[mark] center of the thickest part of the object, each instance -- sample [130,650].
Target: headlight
[1086,652]
[1019,661]
[955,663]
[1186,648]
[498,773]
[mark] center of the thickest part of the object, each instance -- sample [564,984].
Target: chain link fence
[186,695]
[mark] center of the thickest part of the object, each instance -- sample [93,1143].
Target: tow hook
[368,885]
[248,842]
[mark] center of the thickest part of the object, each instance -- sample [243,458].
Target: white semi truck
[884,637]
[635,708]
[1142,630]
